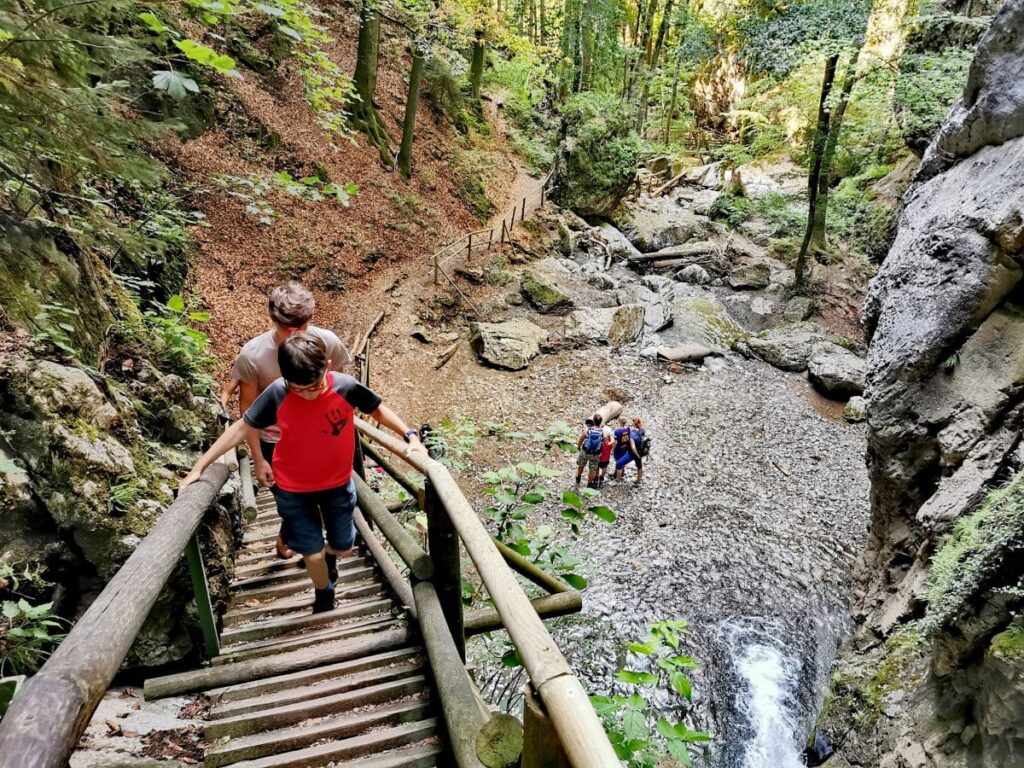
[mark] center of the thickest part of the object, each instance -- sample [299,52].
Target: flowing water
[767,699]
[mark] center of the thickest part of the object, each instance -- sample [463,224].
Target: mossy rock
[544,295]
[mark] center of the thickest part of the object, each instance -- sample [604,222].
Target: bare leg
[282,549]
[317,569]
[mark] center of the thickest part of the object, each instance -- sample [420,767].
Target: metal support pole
[204,608]
[443,544]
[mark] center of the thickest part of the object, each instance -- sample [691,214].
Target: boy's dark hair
[597,419]
[303,359]
[588,422]
[291,305]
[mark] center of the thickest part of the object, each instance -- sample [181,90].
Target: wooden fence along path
[484,239]
[379,682]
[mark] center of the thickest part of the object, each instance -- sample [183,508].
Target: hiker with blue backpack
[631,445]
[589,446]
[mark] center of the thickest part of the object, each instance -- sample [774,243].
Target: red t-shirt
[606,450]
[318,440]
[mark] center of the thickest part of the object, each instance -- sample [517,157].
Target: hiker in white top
[291,307]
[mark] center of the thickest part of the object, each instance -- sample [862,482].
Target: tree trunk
[819,239]
[543,22]
[412,101]
[817,156]
[672,104]
[586,54]
[533,21]
[364,114]
[476,66]
[666,21]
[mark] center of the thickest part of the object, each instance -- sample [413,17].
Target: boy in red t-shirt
[312,465]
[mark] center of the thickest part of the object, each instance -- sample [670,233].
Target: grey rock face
[754,312]
[659,223]
[835,371]
[618,243]
[797,309]
[614,326]
[511,344]
[750,276]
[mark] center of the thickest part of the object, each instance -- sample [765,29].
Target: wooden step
[262,630]
[273,564]
[262,648]
[424,756]
[296,737]
[293,586]
[311,676]
[338,684]
[292,714]
[357,746]
[344,565]
[218,676]
[240,615]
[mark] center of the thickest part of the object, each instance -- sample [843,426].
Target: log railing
[53,707]
[485,239]
[558,700]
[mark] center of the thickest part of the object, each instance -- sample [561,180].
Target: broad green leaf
[681,684]
[575,581]
[174,84]
[284,29]
[572,499]
[666,729]
[634,725]
[635,677]
[511,659]
[199,317]
[645,649]
[678,750]
[605,513]
[533,497]
[11,610]
[155,25]
[176,303]
[207,57]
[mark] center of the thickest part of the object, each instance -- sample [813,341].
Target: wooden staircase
[289,689]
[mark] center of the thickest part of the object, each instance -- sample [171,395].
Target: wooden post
[543,187]
[523,216]
[490,237]
[502,231]
[541,747]
[208,622]
[469,246]
[437,271]
[512,224]
[443,544]
[248,495]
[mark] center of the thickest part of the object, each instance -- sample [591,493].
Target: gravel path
[746,524]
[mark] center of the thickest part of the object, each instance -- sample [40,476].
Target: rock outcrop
[933,676]
[614,326]
[510,345]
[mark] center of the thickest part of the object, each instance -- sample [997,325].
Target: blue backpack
[592,443]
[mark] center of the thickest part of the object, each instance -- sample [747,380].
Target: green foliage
[254,189]
[926,88]
[516,493]
[1009,644]
[732,209]
[599,155]
[970,556]
[177,345]
[452,441]
[627,716]
[30,634]
[442,75]
[783,220]
[55,324]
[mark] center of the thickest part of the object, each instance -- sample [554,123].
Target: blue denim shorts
[309,513]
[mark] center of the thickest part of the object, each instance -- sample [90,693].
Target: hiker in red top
[314,409]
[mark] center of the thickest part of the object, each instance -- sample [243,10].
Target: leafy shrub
[627,716]
[925,90]
[731,208]
[780,215]
[442,87]
[452,441]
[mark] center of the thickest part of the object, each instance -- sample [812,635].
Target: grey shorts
[584,459]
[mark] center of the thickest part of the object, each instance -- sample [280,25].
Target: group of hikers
[599,444]
[298,406]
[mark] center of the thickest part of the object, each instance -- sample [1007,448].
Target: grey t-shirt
[257,363]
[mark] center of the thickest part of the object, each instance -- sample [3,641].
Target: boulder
[708,176]
[754,312]
[68,391]
[703,200]
[789,347]
[544,294]
[856,410]
[695,274]
[797,309]
[656,223]
[614,326]
[618,243]
[657,283]
[701,318]
[753,276]
[658,312]
[511,344]
[835,370]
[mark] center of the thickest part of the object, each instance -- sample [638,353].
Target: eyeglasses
[311,388]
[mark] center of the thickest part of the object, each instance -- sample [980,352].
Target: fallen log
[679,251]
[445,356]
[669,184]
[685,353]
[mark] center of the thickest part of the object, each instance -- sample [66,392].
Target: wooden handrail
[578,727]
[50,712]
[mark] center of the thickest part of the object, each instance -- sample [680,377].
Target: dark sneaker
[323,599]
[332,567]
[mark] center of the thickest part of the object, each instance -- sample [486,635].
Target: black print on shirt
[337,419]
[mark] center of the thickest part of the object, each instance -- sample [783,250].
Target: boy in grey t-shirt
[291,307]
